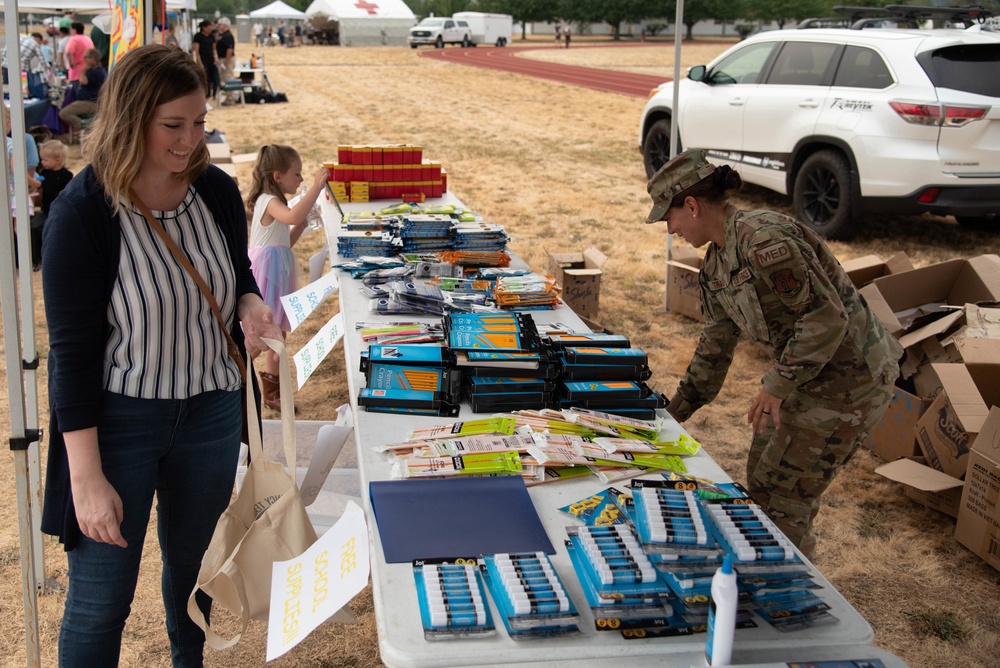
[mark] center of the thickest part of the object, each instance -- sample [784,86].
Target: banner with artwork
[127,27]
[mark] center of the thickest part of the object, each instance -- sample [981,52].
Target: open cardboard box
[579,274]
[864,270]
[893,437]
[683,291]
[978,526]
[925,485]
[950,424]
[955,282]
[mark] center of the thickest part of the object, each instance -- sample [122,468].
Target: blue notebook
[465,517]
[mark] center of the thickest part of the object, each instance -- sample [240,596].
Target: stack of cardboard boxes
[938,434]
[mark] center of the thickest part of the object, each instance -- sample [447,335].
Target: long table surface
[400,631]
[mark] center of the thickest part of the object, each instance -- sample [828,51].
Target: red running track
[505,59]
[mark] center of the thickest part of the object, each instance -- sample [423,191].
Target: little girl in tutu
[274,231]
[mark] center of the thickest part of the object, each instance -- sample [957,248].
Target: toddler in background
[54,177]
[273,232]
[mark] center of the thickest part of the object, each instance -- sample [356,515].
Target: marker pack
[529,595]
[452,601]
[670,520]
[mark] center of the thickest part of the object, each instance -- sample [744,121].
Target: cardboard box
[219,152]
[579,274]
[947,429]
[683,292]
[925,485]
[864,270]
[893,437]
[978,526]
[955,282]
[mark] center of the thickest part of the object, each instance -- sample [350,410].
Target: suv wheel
[439,44]
[822,195]
[987,223]
[656,146]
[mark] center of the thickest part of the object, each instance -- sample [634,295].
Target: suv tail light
[932,113]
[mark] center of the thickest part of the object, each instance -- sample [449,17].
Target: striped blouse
[164,340]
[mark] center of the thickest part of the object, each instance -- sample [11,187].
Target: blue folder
[464,517]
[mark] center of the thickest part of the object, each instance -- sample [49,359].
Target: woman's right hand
[98,509]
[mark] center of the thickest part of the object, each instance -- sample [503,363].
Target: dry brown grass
[558,166]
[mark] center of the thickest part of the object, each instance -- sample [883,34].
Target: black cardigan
[82,240]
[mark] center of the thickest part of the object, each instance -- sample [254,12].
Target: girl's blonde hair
[271,158]
[141,81]
[54,148]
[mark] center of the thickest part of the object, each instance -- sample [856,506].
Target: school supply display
[386,172]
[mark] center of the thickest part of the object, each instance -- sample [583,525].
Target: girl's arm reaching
[296,215]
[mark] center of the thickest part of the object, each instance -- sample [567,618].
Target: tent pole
[678,22]
[23,440]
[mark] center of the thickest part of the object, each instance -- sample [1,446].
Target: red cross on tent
[372,7]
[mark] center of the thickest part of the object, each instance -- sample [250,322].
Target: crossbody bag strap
[154,223]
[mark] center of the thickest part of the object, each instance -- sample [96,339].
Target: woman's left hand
[257,321]
[765,406]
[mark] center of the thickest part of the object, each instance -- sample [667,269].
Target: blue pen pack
[452,601]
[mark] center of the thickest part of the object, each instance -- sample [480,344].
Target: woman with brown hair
[144,397]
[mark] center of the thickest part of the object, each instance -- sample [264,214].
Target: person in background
[61,43]
[274,230]
[92,78]
[169,38]
[55,177]
[47,51]
[774,280]
[566,35]
[33,62]
[102,42]
[31,153]
[225,49]
[145,400]
[205,55]
[67,20]
[258,33]
[76,47]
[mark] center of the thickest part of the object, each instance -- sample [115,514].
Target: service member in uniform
[834,364]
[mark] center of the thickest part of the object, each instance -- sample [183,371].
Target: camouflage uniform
[834,362]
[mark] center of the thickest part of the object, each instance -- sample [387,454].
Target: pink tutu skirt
[272,268]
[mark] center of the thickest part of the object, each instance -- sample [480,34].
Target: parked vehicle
[440,31]
[848,121]
[494,29]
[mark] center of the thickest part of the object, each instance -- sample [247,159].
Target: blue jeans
[186,451]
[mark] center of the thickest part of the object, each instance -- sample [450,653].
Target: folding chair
[231,86]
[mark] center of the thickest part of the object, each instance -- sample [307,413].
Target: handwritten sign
[311,588]
[304,301]
[311,354]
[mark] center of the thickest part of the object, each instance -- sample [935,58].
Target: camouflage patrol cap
[683,171]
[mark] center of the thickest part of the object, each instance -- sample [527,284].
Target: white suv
[848,121]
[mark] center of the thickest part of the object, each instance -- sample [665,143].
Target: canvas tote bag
[267,522]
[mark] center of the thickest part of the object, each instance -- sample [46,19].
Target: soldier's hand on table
[765,406]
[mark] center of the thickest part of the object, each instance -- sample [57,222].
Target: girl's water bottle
[722,615]
[314,219]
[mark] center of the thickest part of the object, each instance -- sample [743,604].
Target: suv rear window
[971,68]
[862,68]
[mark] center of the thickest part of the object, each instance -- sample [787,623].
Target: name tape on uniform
[311,354]
[311,588]
[304,301]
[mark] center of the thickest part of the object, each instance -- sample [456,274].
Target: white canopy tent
[367,22]
[278,10]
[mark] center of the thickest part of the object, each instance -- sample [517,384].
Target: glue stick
[722,615]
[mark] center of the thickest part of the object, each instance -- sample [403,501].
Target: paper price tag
[311,588]
[311,354]
[304,301]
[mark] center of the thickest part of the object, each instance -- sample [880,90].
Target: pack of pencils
[559,340]
[406,354]
[410,402]
[598,355]
[382,376]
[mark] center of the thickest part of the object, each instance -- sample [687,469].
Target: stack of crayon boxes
[412,379]
[602,372]
[506,366]
[385,172]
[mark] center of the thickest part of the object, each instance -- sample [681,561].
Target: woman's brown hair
[141,81]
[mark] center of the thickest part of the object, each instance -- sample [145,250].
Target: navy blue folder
[464,517]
